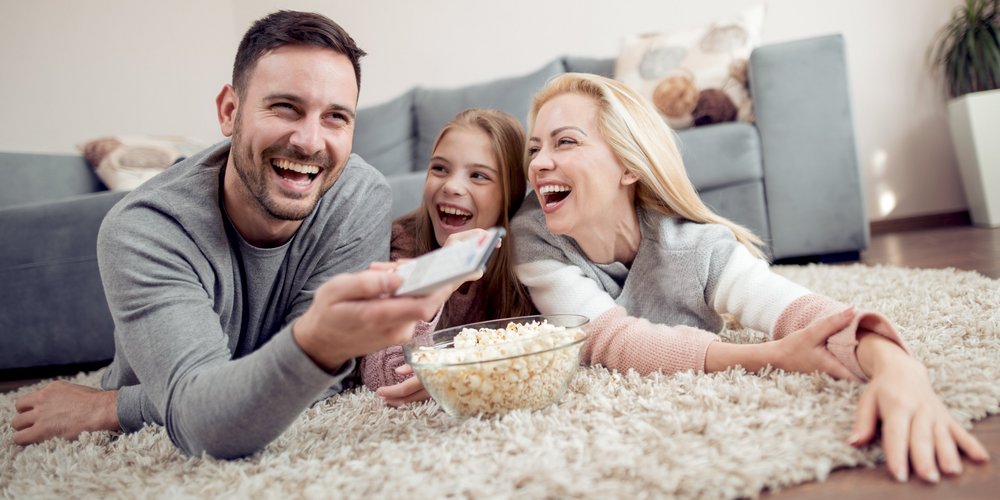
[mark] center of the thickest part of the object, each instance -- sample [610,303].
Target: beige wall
[75,70]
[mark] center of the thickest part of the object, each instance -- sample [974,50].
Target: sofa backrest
[39,177]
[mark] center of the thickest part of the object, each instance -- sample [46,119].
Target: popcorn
[492,371]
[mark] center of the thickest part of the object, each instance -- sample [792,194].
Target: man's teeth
[553,188]
[296,167]
[455,211]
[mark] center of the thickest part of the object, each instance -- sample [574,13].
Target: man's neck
[255,225]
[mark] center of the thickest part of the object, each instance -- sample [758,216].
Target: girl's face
[578,179]
[462,190]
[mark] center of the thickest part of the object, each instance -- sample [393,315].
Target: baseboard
[921,222]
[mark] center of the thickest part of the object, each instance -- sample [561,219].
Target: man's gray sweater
[203,341]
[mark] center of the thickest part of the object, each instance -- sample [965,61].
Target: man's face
[292,132]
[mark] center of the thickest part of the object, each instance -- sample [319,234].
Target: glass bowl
[488,373]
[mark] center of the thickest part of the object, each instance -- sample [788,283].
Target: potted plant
[967,53]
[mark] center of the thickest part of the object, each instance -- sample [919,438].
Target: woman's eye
[532,151]
[565,141]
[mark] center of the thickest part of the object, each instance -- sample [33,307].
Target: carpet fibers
[687,435]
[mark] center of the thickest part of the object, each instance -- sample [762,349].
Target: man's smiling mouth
[298,174]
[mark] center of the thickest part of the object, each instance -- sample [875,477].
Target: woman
[475,180]
[613,208]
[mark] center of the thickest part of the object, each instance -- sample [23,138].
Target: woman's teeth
[554,193]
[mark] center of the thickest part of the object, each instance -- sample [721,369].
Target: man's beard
[253,175]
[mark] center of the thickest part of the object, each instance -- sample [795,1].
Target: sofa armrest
[812,180]
[54,311]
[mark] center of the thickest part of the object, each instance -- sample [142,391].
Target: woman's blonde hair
[645,145]
[505,296]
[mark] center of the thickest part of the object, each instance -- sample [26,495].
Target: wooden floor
[961,247]
[964,247]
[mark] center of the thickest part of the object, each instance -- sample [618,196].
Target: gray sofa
[792,177]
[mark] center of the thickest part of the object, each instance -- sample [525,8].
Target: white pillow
[694,76]
[124,162]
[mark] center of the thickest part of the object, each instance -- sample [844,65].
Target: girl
[475,180]
[617,232]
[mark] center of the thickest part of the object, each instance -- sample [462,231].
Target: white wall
[76,70]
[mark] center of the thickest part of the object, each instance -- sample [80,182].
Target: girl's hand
[801,351]
[915,422]
[407,391]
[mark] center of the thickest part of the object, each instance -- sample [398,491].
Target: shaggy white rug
[620,435]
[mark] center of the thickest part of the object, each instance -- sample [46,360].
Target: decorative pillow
[695,76]
[125,162]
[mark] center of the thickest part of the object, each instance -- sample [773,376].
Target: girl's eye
[438,169]
[480,176]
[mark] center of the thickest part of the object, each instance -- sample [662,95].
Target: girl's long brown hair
[504,295]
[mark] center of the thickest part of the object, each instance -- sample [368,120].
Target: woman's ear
[226,104]
[628,178]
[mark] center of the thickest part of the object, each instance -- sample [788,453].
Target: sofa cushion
[384,135]
[598,66]
[721,155]
[30,177]
[436,107]
[407,191]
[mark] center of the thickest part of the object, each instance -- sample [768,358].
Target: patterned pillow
[125,162]
[695,76]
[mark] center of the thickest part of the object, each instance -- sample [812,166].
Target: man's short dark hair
[287,27]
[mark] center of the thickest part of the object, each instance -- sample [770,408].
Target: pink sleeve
[378,369]
[842,344]
[619,342]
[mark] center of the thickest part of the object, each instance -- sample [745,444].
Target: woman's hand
[407,391]
[915,422]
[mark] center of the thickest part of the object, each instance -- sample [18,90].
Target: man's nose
[307,136]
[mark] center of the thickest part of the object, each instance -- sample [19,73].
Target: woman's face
[572,169]
[462,190]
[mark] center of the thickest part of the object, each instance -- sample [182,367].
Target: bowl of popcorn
[490,368]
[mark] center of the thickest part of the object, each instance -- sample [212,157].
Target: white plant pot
[974,120]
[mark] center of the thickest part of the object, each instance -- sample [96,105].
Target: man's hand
[354,314]
[62,409]
[405,392]
[915,423]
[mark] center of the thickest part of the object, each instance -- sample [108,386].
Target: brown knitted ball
[675,96]
[714,106]
[738,71]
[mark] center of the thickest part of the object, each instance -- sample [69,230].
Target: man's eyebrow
[560,130]
[298,100]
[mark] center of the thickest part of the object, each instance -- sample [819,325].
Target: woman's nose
[541,161]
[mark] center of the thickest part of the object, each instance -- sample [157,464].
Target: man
[236,278]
